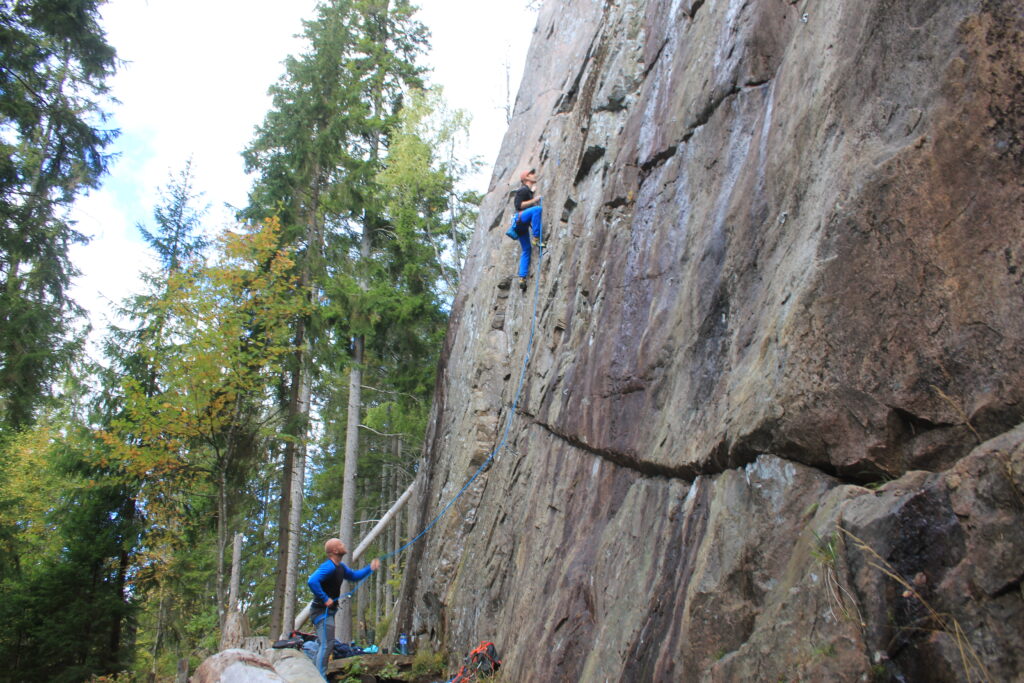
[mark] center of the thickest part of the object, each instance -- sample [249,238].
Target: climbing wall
[769,422]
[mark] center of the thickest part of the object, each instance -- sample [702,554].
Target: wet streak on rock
[660,631]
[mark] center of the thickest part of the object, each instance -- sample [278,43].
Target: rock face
[768,426]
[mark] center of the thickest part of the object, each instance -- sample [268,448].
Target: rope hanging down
[508,422]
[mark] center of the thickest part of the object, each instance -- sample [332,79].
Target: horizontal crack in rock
[717,464]
[650,469]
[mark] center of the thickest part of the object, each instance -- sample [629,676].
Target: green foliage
[389,670]
[66,580]
[352,671]
[427,212]
[55,60]
[426,661]
[357,229]
[378,268]
[178,237]
[189,416]
[224,332]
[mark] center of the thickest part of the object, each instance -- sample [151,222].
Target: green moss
[827,650]
[427,662]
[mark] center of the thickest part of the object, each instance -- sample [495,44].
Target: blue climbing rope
[508,422]
[511,412]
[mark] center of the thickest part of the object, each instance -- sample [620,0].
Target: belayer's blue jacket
[325,582]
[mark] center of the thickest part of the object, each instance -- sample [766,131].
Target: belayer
[527,221]
[325,583]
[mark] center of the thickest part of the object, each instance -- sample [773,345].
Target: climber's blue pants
[532,216]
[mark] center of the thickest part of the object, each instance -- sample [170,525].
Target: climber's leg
[524,258]
[532,216]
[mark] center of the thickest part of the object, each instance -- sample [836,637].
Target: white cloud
[195,85]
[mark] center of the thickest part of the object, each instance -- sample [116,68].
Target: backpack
[343,650]
[294,641]
[481,662]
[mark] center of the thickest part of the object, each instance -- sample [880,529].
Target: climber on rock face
[528,221]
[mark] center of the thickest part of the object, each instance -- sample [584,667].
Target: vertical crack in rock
[590,157]
[567,209]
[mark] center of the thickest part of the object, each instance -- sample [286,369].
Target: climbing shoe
[522,283]
[538,243]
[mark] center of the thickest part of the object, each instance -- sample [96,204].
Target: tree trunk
[222,542]
[182,676]
[348,492]
[298,424]
[378,596]
[283,511]
[360,620]
[158,638]
[295,514]
[236,573]
[385,573]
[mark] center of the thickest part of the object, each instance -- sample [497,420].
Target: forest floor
[383,668]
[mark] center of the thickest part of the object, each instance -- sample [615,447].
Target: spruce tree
[317,155]
[54,62]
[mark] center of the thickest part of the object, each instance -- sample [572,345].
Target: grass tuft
[974,669]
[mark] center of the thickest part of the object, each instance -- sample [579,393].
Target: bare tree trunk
[378,596]
[410,532]
[348,491]
[222,541]
[295,514]
[182,676]
[236,573]
[158,639]
[394,532]
[298,420]
[360,625]
[284,509]
[387,494]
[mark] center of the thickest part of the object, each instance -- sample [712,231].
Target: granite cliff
[771,425]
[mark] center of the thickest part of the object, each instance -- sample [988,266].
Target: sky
[194,85]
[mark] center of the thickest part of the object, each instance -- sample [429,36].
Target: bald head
[335,549]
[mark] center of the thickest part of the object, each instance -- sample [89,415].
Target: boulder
[294,666]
